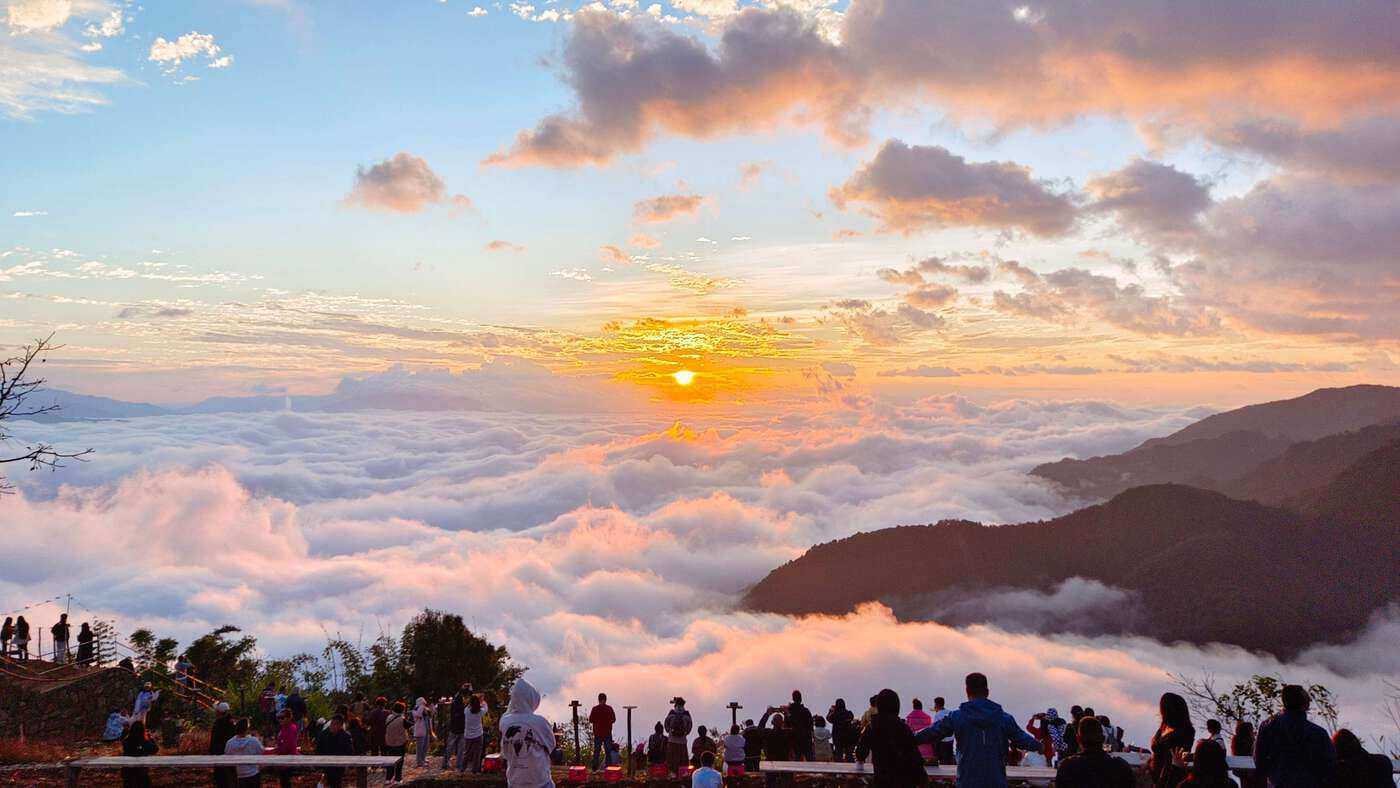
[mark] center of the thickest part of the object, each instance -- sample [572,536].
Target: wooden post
[70,775]
[734,711]
[362,777]
[578,752]
[630,751]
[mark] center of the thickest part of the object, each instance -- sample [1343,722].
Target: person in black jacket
[843,731]
[753,746]
[1357,768]
[890,746]
[335,740]
[136,744]
[456,730]
[656,746]
[1174,733]
[799,725]
[86,653]
[1093,767]
[1290,751]
[219,734]
[777,745]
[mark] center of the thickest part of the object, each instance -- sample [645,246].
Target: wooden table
[360,764]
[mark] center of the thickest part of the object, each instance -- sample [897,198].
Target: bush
[31,751]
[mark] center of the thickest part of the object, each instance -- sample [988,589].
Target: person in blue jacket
[1290,751]
[983,733]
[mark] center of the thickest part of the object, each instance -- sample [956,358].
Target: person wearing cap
[677,727]
[219,734]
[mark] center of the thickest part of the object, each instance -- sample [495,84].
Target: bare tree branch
[18,382]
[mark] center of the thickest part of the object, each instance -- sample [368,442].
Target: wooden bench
[359,764]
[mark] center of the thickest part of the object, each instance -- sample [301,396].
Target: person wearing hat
[677,727]
[219,734]
[145,699]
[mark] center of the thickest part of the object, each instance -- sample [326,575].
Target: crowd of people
[15,637]
[978,737]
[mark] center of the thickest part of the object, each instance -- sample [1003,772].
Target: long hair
[1209,762]
[1175,714]
[1243,741]
[474,703]
[137,731]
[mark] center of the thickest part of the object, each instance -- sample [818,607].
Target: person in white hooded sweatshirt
[527,739]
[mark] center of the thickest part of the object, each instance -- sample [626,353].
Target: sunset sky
[659,295]
[1152,200]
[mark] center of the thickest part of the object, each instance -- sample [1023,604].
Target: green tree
[153,653]
[222,661]
[438,653]
[1251,701]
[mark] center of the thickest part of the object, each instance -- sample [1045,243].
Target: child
[706,776]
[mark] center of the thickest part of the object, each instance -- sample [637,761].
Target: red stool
[737,770]
[658,770]
[491,763]
[578,774]
[612,774]
[683,772]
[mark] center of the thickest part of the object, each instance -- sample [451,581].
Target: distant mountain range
[1186,563]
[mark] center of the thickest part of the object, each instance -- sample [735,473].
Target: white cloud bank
[605,551]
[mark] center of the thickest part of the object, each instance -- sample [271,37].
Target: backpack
[678,723]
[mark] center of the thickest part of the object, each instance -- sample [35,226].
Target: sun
[684,377]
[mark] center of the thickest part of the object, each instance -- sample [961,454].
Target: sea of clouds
[608,551]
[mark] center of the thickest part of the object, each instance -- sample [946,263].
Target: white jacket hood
[524,698]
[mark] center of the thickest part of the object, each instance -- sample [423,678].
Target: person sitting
[891,746]
[1208,768]
[1357,768]
[702,744]
[706,776]
[1290,751]
[984,732]
[822,749]
[1092,766]
[116,726]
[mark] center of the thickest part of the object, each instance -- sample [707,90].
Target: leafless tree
[19,381]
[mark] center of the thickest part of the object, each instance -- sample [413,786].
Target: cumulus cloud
[667,207]
[633,79]
[915,188]
[402,184]
[1069,295]
[190,46]
[1365,148]
[1156,199]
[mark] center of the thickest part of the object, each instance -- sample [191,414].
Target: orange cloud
[667,207]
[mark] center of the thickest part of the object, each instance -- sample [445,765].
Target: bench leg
[362,777]
[70,776]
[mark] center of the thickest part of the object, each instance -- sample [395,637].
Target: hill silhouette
[1191,564]
[1218,450]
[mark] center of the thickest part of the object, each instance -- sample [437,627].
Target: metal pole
[630,751]
[734,711]
[578,752]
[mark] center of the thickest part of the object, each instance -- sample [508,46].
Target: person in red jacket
[602,718]
[288,737]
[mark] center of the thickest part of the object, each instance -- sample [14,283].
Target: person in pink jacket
[287,743]
[917,720]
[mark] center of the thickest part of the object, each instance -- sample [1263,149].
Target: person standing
[219,735]
[86,653]
[136,744]
[145,699]
[376,722]
[753,746]
[1291,751]
[184,675]
[678,726]
[7,632]
[1214,733]
[422,730]
[843,730]
[456,726]
[245,743]
[602,718]
[943,748]
[267,705]
[527,739]
[334,740]
[396,727]
[1175,732]
[474,732]
[734,747]
[657,746]
[60,632]
[1093,767]
[288,742]
[22,639]
[822,749]
[917,719]
[296,704]
[799,723]
[984,733]
[891,746]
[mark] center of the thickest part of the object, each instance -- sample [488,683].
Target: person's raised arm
[763,721]
[1018,738]
[937,732]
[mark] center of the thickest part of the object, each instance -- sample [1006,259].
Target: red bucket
[491,763]
[737,770]
[658,770]
[578,774]
[612,774]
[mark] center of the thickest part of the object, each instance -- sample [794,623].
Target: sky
[721,279]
